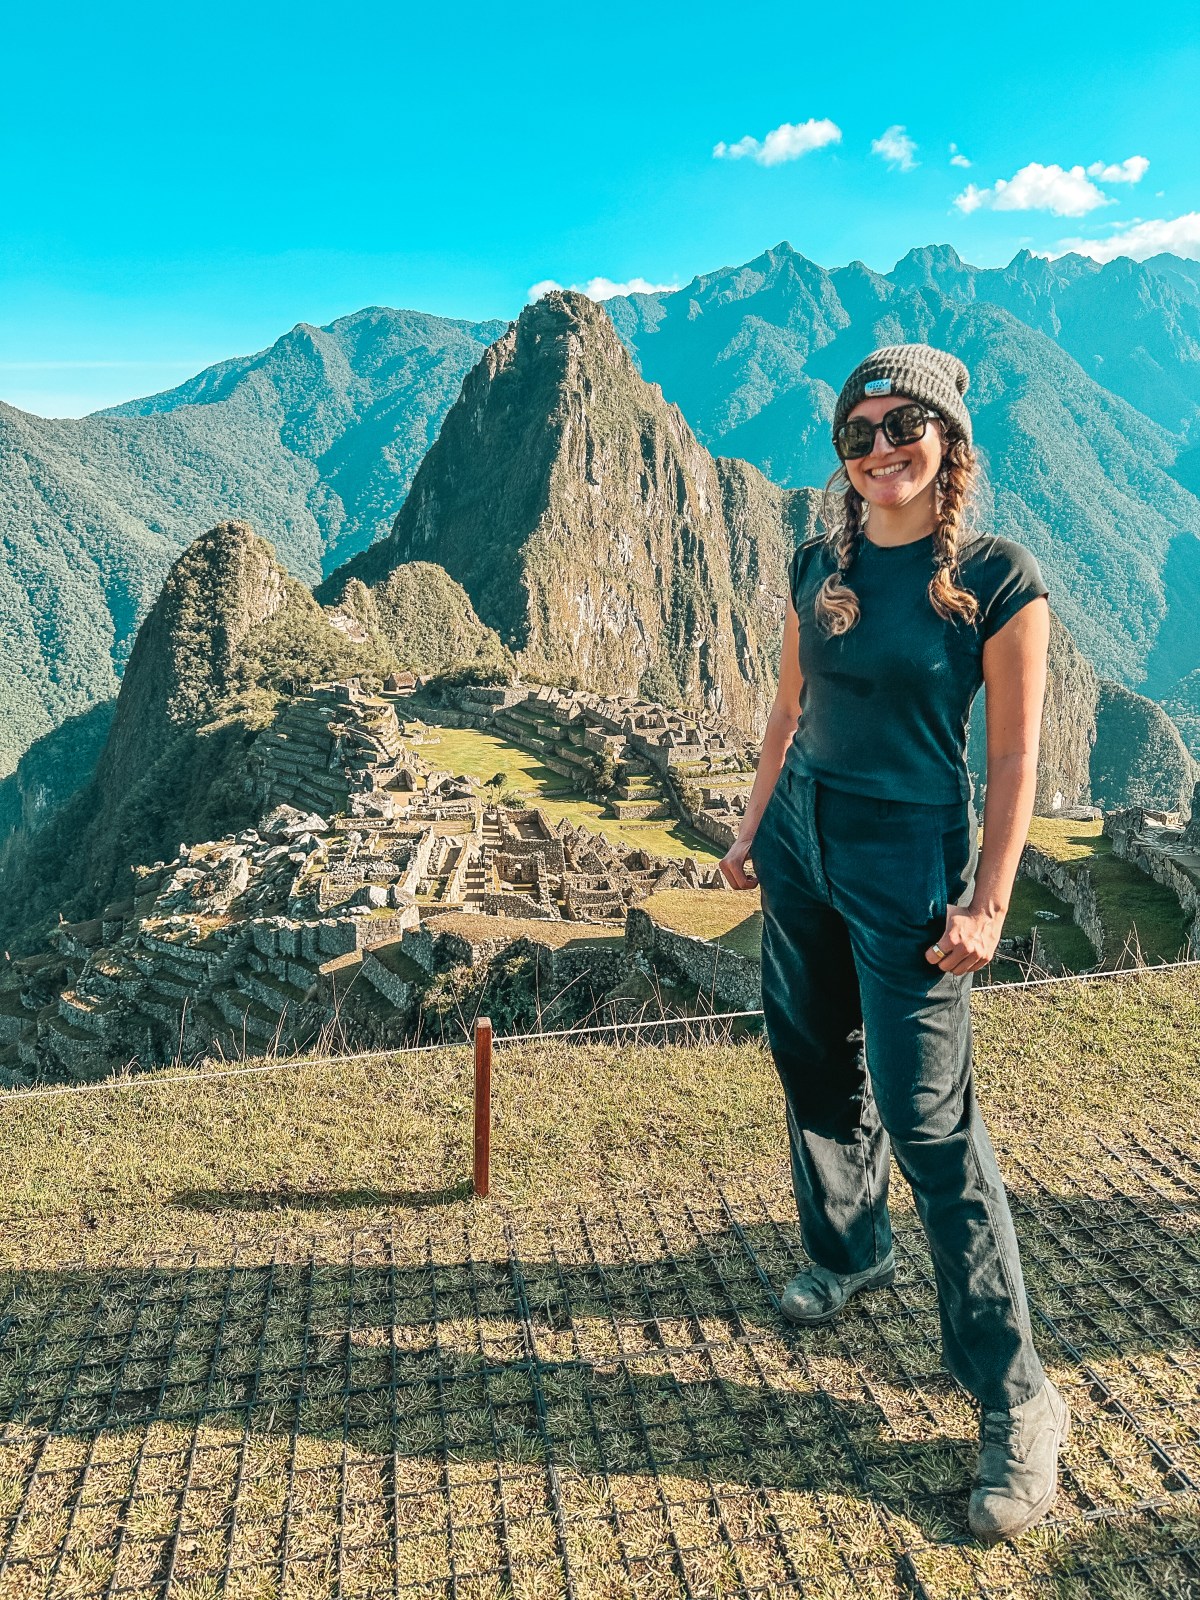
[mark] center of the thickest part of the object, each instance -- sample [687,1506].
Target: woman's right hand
[733,866]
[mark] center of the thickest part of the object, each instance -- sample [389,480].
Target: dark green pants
[873,1046]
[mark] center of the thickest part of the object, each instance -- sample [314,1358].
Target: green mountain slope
[94,511]
[423,621]
[755,356]
[314,440]
[1140,758]
[358,403]
[591,529]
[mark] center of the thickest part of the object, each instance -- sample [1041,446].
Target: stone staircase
[638,793]
[475,884]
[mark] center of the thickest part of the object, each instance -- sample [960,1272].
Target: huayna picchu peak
[592,530]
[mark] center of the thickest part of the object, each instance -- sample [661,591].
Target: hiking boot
[1017,1476]
[817,1295]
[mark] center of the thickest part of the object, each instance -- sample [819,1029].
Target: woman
[877,903]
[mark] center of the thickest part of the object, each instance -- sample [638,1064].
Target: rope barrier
[1087,977]
[151,1080]
[627,1027]
[148,1080]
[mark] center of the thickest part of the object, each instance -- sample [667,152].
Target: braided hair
[843,513]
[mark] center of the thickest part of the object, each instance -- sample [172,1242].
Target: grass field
[482,756]
[1134,910]
[731,920]
[256,1339]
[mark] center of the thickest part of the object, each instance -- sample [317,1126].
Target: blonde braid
[836,606]
[955,491]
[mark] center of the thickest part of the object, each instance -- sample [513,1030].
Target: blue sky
[184,184]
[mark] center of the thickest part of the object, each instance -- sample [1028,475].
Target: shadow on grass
[607,1351]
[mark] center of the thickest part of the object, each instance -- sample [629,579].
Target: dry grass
[731,920]
[256,1339]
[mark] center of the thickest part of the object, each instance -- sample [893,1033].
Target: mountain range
[1085,397]
[1074,470]
[565,523]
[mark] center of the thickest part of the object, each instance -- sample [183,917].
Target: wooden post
[482,1163]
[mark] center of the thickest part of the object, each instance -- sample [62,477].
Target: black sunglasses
[901,425]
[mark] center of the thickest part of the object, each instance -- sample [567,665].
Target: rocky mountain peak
[568,335]
[225,583]
[936,266]
[590,528]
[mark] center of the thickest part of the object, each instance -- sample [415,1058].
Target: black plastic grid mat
[605,1404]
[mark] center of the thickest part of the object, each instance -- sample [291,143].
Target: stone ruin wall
[1166,848]
[731,981]
[274,978]
[667,742]
[1158,843]
[1076,889]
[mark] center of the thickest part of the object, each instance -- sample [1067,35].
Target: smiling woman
[877,904]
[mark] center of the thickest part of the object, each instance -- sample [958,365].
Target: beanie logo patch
[878,386]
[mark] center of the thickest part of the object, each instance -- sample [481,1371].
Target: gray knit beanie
[935,377]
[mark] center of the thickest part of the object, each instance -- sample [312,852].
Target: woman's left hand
[969,941]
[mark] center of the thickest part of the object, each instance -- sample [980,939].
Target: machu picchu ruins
[325,919]
[376,880]
[667,763]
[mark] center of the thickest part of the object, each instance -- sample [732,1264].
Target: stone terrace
[663,758]
[298,930]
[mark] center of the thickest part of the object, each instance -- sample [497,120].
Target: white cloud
[785,143]
[896,147]
[1067,192]
[604,288]
[1131,170]
[957,159]
[1141,239]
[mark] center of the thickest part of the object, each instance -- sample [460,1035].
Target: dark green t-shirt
[884,707]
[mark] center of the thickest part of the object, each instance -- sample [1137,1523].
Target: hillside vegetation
[355,405]
[314,441]
[425,620]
